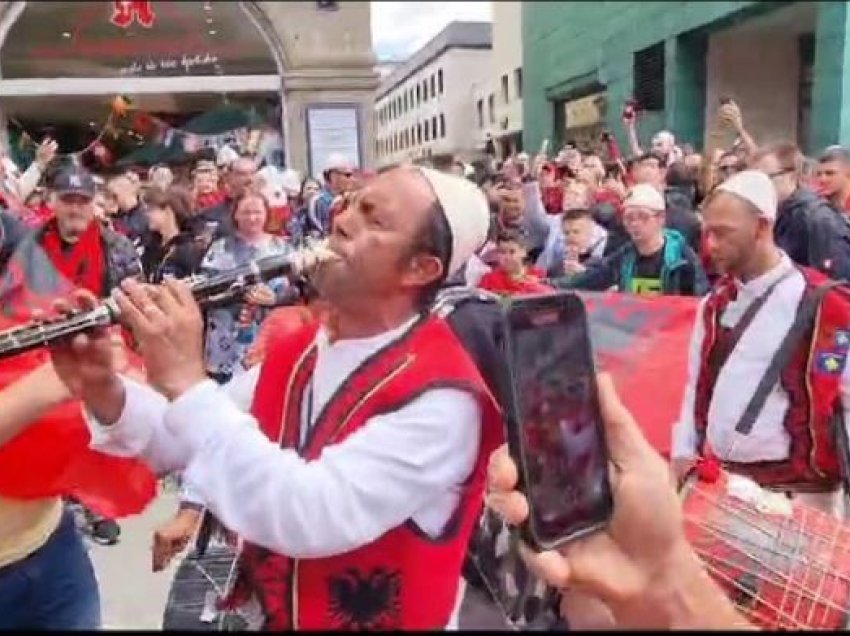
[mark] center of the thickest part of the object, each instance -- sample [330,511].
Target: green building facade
[786,63]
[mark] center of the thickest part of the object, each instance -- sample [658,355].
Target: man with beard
[768,382]
[358,495]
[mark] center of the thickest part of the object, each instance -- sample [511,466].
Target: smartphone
[555,432]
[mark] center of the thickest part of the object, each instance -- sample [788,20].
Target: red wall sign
[125,13]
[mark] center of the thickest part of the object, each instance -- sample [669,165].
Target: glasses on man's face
[728,169]
[639,216]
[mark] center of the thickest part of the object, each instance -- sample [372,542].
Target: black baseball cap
[74,181]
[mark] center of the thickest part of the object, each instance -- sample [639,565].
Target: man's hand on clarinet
[86,362]
[168,327]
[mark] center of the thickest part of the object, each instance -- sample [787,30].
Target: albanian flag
[52,457]
[643,341]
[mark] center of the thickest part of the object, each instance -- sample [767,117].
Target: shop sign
[187,63]
[586,111]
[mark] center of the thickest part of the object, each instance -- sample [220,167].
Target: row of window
[429,130]
[506,98]
[414,96]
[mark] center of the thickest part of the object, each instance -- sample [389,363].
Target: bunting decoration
[140,127]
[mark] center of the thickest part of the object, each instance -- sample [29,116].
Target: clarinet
[215,290]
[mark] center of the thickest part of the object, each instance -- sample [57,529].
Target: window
[505,94]
[491,108]
[649,77]
[418,94]
[442,126]
[418,133]
[518,82]
[440,81]
[406,103]
[433,86]
[427,130]
[434,127]
[480,106]
[425,96]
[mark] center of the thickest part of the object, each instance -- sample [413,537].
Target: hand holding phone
[555,429]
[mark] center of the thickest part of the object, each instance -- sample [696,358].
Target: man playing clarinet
[356,475]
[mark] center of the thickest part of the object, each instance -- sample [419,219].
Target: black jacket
[180,257]
[681,216]
[814,234]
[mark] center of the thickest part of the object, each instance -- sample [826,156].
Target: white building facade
[425,107]
[498,99]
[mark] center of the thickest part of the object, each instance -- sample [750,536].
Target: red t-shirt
[499,281]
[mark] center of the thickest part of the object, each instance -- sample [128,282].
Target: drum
[785,565]
[198,583]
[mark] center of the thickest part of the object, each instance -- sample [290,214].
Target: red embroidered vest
[404,579]
[812,382]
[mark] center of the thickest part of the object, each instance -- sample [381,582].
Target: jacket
[681,216]
[813,234]
[551,260]
[681,273]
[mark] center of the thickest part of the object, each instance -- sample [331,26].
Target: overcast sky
[400,28]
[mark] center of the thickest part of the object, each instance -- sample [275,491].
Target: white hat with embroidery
[466,212]
[756,188]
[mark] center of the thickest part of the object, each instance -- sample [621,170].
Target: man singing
[358,495]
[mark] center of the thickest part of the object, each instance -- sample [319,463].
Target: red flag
[643,341]
[52,457]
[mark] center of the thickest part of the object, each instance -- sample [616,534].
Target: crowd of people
[349,455]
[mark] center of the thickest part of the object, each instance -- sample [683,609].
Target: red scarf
[84,264]
[209,199]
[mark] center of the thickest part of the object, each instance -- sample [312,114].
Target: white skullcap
[226,156]
[337,161]
[756,188]
[644,196]
[466,211]
[291,181]
[268,173]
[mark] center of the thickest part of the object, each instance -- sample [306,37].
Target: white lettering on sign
[187,63]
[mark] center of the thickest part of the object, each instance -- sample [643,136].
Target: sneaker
[105,531]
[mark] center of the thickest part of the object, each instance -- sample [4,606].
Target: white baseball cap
[756,188]
[466,211]
[644,196]
[338,161]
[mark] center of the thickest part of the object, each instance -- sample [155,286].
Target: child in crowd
[512,274]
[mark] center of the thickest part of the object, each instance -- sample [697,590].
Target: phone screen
[565,457]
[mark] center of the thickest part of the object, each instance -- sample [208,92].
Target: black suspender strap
[801,326]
